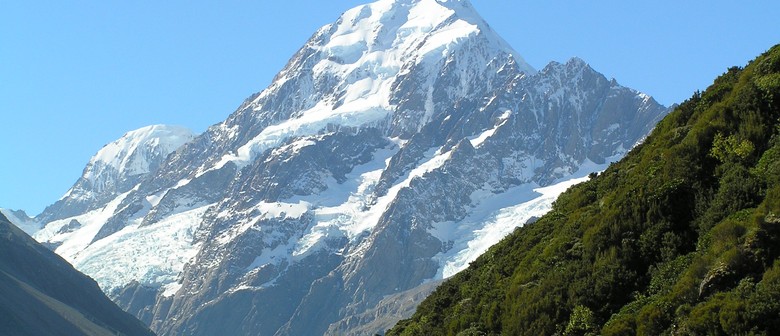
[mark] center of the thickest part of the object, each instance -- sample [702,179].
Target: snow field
[153,255]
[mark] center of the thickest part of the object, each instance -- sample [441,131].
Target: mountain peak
[408,28]
[117,167]
[349,72]
[576,61]
[21,220]
[119,154]
[572,66]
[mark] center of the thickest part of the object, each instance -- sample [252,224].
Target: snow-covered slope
[396,145]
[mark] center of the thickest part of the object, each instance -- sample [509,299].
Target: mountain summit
[396,145]
[117,168]
[349,73]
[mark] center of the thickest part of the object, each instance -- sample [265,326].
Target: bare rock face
[385,314]
[370,169]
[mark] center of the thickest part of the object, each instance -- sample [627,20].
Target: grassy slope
[681,236]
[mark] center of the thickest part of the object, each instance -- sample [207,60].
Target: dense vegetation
[680,237]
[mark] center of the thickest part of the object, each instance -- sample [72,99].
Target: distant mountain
[20,218]
[117,168]
[680,237]
[41,294]
[396,146]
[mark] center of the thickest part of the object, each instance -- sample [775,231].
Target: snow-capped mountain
[20,218]
[75,224]
[117,168]
[396,145]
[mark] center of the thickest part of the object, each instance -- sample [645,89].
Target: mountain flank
[680,237]
[41,294]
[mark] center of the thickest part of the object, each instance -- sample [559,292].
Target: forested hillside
[682,236]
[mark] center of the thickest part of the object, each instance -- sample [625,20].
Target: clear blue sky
[75,75]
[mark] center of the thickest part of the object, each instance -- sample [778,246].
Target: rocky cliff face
[396,146]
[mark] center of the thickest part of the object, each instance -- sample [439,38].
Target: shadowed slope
[41,294]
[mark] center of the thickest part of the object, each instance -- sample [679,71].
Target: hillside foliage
[682,236]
